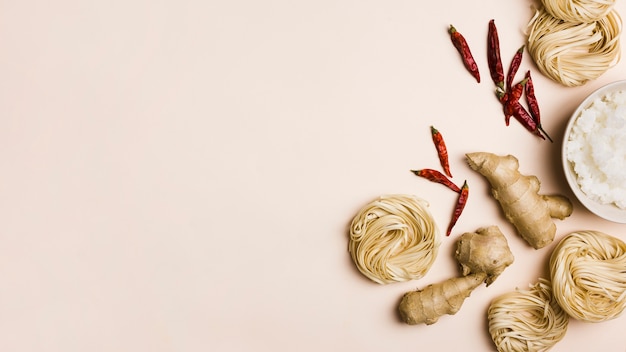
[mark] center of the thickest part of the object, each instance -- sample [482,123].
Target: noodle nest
[527,320]
[573,53]
[582,11]
[588,275]
[394,238]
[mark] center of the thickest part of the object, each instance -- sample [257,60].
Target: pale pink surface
[180,175]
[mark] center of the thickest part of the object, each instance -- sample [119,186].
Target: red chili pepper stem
[540,128]
[458,208]
[523,82]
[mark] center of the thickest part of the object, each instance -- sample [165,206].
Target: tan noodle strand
[527,320]
[394,238]
[579,11]
[573,53]
[589,276]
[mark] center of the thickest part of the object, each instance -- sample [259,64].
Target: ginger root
[427,305]
[484,251]
[519,198]
[483,256]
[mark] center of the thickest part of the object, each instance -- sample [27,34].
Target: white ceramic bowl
[606,211]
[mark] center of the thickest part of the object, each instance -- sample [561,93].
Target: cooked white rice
[597,149]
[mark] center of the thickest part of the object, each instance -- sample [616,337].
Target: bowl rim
[607,211]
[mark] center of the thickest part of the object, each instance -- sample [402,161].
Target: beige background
[180,175]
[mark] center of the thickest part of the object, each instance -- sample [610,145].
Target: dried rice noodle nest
[579,11]
[527,320]
[394,238]
[573,53]
[587,270]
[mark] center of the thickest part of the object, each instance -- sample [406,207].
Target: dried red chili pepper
[458,208]
[506,108]
[517,90]
[463,48]
[438,177]
[510,98]
[493,56]
[442,150]
[513,98]
[521,115]
[533,105]
[515,64]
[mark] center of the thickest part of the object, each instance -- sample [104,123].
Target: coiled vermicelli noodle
[579,11]
[529,320]
[588,272]
[573,53]
[394,238]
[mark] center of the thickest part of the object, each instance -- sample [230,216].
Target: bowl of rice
[594,152]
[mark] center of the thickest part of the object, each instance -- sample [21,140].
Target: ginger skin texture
[483,256]
[530,212]
[427,305]
[484,251]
